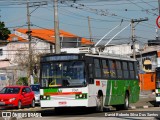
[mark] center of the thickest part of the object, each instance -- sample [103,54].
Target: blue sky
[104,15]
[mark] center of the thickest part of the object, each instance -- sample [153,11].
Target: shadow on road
[70,112]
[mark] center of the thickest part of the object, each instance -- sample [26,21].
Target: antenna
[108,33]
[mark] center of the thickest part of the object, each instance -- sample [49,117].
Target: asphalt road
[88,113]
[151,113]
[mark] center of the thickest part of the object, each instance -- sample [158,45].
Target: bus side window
[112,66]
[97,68]
[125,70]
[90,68]
[105,69]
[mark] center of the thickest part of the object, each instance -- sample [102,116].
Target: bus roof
[110,56]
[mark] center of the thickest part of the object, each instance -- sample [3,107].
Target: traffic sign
[158,21]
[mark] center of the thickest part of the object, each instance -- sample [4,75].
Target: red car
[16,96]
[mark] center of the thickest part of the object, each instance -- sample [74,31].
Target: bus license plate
[63,103]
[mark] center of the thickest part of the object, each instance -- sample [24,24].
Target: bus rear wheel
[124,106]
[126,101]
[99,107]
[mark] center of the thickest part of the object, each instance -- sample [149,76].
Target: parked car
[4,80]
[17,96]
[36,89]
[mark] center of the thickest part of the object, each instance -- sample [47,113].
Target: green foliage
[22,81]
[36,81]
[4,32]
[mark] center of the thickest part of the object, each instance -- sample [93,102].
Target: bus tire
[126,101]
[99,107]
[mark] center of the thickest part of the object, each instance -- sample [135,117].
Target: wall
[123,49]
[147,81]
[4,56]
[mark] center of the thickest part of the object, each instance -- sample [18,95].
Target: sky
[73,17]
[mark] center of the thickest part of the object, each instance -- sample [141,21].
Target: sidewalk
[146,99]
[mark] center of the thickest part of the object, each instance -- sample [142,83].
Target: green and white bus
[88,80]
[157,85]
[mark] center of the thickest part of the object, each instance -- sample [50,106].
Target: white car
[35,88]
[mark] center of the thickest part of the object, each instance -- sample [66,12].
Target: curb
[138,107]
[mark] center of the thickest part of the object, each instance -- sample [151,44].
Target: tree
[4,32]
[21,58]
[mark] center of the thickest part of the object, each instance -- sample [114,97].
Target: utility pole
[0,15]
[89,25]
[159,6]
[30,40]
[37,5]
[56,28]
[157,31]
[133,33]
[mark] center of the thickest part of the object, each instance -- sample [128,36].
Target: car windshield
[70,73]
[34,87]
[10,90]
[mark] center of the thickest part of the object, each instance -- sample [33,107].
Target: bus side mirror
[91,81]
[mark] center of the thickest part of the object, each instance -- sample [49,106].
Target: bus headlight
[44,97]
[81,96]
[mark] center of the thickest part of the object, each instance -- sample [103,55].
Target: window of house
[1,52]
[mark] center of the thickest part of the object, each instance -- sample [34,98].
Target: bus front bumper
[64,103]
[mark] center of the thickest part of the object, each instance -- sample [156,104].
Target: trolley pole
[56,28]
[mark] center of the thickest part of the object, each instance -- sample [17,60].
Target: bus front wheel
[99,107]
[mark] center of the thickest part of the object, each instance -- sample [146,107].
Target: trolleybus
[88,80]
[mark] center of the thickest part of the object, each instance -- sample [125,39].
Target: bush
[22,81]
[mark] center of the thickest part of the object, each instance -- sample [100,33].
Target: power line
[146,10]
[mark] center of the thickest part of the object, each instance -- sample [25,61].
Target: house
[43,41]
[149,59]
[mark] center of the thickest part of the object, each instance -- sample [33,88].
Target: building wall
[147,81]
[11,49]
[3,56]
[123,49]
[4,64]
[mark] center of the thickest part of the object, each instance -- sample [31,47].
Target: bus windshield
[63,74]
